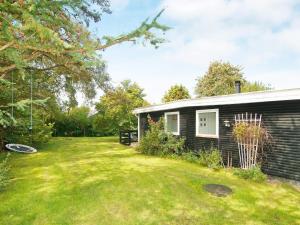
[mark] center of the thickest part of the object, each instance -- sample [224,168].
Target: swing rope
[19,147]
[12,95]
[31,100]
[30,127]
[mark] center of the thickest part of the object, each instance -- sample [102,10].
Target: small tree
[176,92]
[115,107]
[157,142]
[79,116]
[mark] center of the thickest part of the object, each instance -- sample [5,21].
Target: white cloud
[266,11]
[262,36]
[118,4]
[245,31]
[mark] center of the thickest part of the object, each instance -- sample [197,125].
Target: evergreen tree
[50,41]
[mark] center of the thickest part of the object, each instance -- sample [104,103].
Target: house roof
[233,99]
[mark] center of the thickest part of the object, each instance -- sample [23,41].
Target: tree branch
[4,70]
[6,46]
[142,31]
[53,67]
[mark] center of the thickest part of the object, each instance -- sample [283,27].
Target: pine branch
[143,31]
[6,69]
[6,46]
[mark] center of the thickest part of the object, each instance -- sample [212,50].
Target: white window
[207,123]
[172,122]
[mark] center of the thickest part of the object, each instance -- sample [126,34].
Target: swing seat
[20,148]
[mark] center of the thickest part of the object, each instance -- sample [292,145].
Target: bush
[211,158]
[158,142]
[190,157]
[41,134]
[254,174]
[4,169]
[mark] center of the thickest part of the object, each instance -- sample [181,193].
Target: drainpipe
[139,124]
[237,86]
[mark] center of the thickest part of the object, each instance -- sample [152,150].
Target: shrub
[254,174]
[190,157]
[211,158]
[158,142]
[41,134]
[4,170]
[245,131]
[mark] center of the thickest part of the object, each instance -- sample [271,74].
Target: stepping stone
[218,189]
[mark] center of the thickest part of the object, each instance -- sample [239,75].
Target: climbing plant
[251,137]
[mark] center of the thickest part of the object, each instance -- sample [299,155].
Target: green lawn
[97,181]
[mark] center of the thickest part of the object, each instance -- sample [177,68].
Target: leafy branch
[143,31]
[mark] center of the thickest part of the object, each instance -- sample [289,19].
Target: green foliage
[208,158]
[211,158]
[51,40]
[242,132]
[220,80]
[255,86]
[75,122]
[176,92]
[116,106]
[190,157]
[157,142]
[79,117]
[114,113]
[254,174]
[20,133]
[4,172]
[15,116]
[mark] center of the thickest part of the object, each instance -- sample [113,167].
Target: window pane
[172,123]
[207,123]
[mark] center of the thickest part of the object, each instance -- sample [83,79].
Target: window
[207,123]
[172,122]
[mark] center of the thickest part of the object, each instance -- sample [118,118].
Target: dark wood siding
[282,119]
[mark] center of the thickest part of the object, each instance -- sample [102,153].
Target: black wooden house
[209,120]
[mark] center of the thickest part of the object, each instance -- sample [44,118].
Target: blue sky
[262,36]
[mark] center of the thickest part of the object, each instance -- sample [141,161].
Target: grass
[97,181]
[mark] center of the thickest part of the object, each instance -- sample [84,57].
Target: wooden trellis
[248,146]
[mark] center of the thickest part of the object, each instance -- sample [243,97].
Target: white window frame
[217,123]
[178,122]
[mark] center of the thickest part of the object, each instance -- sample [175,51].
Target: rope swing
[30,126]
[19,147]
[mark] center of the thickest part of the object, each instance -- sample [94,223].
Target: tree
[176,92]
[116,106]
[50,41]
[74,122]
[16,111]
[79,117]
[255,86]
[220,80]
